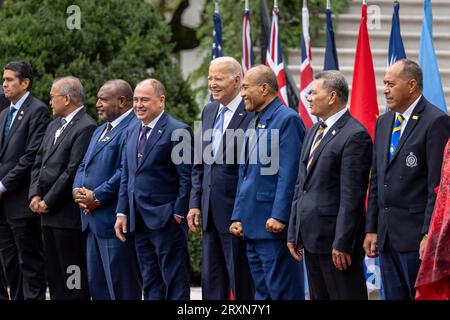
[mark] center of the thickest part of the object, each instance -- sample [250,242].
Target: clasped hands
[85,199]
[38,205]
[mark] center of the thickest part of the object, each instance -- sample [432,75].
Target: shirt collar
[154,121]
[20,102]
[233,105]
[118,120]
[408,112]
[335,117]
[71,115]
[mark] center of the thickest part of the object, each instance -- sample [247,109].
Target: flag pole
[275,4]
[328,5]
[305,4]
[246,6]
[216,6]
[364,1]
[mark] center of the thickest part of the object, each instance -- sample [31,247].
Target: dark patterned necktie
[142,142]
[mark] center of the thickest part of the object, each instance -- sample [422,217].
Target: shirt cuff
[2,187]
[121,215]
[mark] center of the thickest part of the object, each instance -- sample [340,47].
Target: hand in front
[423,243]
[341,260]
[120,227]
[236,229]
[193,219]
[370,245]
[295,250]
[275,226]
[85,200]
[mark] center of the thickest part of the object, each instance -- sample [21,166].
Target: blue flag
[396,48]
[432,85]
[217,37]
[330,60]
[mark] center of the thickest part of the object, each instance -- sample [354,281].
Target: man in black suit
[63,147]
[327,218]
[214,182]
[22,127]
[407,157]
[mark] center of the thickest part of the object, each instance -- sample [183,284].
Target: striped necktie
[395,136]
[317,140]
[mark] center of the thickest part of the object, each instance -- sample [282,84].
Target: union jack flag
[247,46]
[306,73]
[274,58]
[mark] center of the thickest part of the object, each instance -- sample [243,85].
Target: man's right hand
[34,204]
[370,245]
[236,229]
[296,251]
[121,227]
[193,219]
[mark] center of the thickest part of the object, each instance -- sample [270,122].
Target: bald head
[259,88]
[224,79]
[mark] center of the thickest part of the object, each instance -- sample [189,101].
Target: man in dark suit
[265,189]
[50,194]
[154,194]
[214,182]
[112,267]
[328,209]
[407,158]
[22,127]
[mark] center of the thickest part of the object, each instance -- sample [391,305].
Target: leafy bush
[117,39]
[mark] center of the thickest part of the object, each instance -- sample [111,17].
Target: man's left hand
[275,226]
[341,260]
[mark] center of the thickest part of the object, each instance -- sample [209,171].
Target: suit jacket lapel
[64,133]
[412,122]
[308,142]
[17,119]
[99,145]
[155,134]
[331,133]
[3,117]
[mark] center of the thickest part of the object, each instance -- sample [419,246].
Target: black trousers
[22,257]
[65,265]
[326,282]
[3,284]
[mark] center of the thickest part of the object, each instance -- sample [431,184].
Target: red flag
[306,73]
[363,104]
[274,59]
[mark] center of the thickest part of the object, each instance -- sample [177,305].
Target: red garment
[433,280]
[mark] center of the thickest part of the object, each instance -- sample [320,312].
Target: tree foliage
[117,39]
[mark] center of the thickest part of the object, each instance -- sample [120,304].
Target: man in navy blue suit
[224,260]
[112,267]
[406,166]
[266,187]
[154,194]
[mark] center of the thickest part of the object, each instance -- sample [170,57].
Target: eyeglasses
[57,95]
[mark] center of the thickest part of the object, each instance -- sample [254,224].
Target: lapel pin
[415,117]
[261,126]
[334,132]
[159,131]
[241,114]
[21,111]
[20,118]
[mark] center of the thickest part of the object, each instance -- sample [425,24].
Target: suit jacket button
[245,178]
[43,167]
[385,185]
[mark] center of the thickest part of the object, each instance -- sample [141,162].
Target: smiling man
[22,128]
[154,196]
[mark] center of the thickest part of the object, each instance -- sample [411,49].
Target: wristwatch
[96,201]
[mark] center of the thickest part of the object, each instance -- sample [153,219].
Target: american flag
[306,73]
[274,59]
[217,37]
[247,46]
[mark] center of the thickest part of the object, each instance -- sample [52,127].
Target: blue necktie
[218,131]
[8,124]
[395,137]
